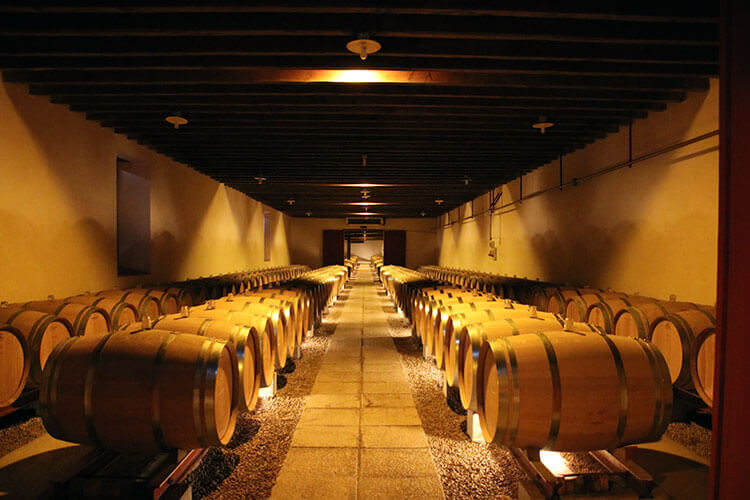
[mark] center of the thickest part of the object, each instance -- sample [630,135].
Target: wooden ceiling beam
[73,93]
[275,75]
[20,45]
[664,11]
[344,61]
[338,24]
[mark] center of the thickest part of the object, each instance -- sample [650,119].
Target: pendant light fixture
[176,119]
[543,124]
[363,45]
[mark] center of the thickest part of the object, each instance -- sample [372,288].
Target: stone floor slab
[396,462]
[333,401]
[330,416]
[390,416]
[393,437]
[326,436]
[387,401]
[415,488]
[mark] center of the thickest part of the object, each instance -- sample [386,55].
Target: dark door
[333,247]
[394,248]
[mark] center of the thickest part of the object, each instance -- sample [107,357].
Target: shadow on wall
[590,229]
[588,252]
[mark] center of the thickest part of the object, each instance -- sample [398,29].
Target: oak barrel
[168,302]
[565,391]
[674,335]
[14,364]
[42,331]
[472,336]
[244,340]
[120,313]
[146,392]
[86,320]
[271,323]
[702,365]
[578,307]
[484,314]
[147,306]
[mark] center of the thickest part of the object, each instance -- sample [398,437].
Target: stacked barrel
[376,262]
[187,369]
[534,378]
[683,331]
[351,264]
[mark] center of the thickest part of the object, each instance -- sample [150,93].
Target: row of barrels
[178,381]
[29,331]
[351,264]
[536,379]
[683,331]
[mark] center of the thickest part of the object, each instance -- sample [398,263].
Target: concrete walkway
[360,435]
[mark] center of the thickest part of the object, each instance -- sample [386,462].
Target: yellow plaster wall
[58,208]
[650,229]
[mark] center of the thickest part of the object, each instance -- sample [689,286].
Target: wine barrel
[168,302]
[270,322]
[565,391]
[436,329]
[603,313]
[702,365]
[283,312]
[558,298]
[42,331]
[430,312]
[473,335]
[245,340]
[636,320]
[486,313]
[674,335]
[144,392]
[298,298]
[147,306]
[120,313]
[86,320]
[578,307]
[14,364]
[292,311]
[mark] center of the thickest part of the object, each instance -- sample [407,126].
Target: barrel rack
[110,474]
[27,399]
[621,473]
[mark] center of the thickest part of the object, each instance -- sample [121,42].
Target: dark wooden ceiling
[481,73]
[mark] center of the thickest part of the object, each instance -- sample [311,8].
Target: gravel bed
[248,466]
[18,429]
[693,437]
[467,469]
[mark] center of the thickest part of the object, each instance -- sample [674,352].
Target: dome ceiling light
[363,46]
